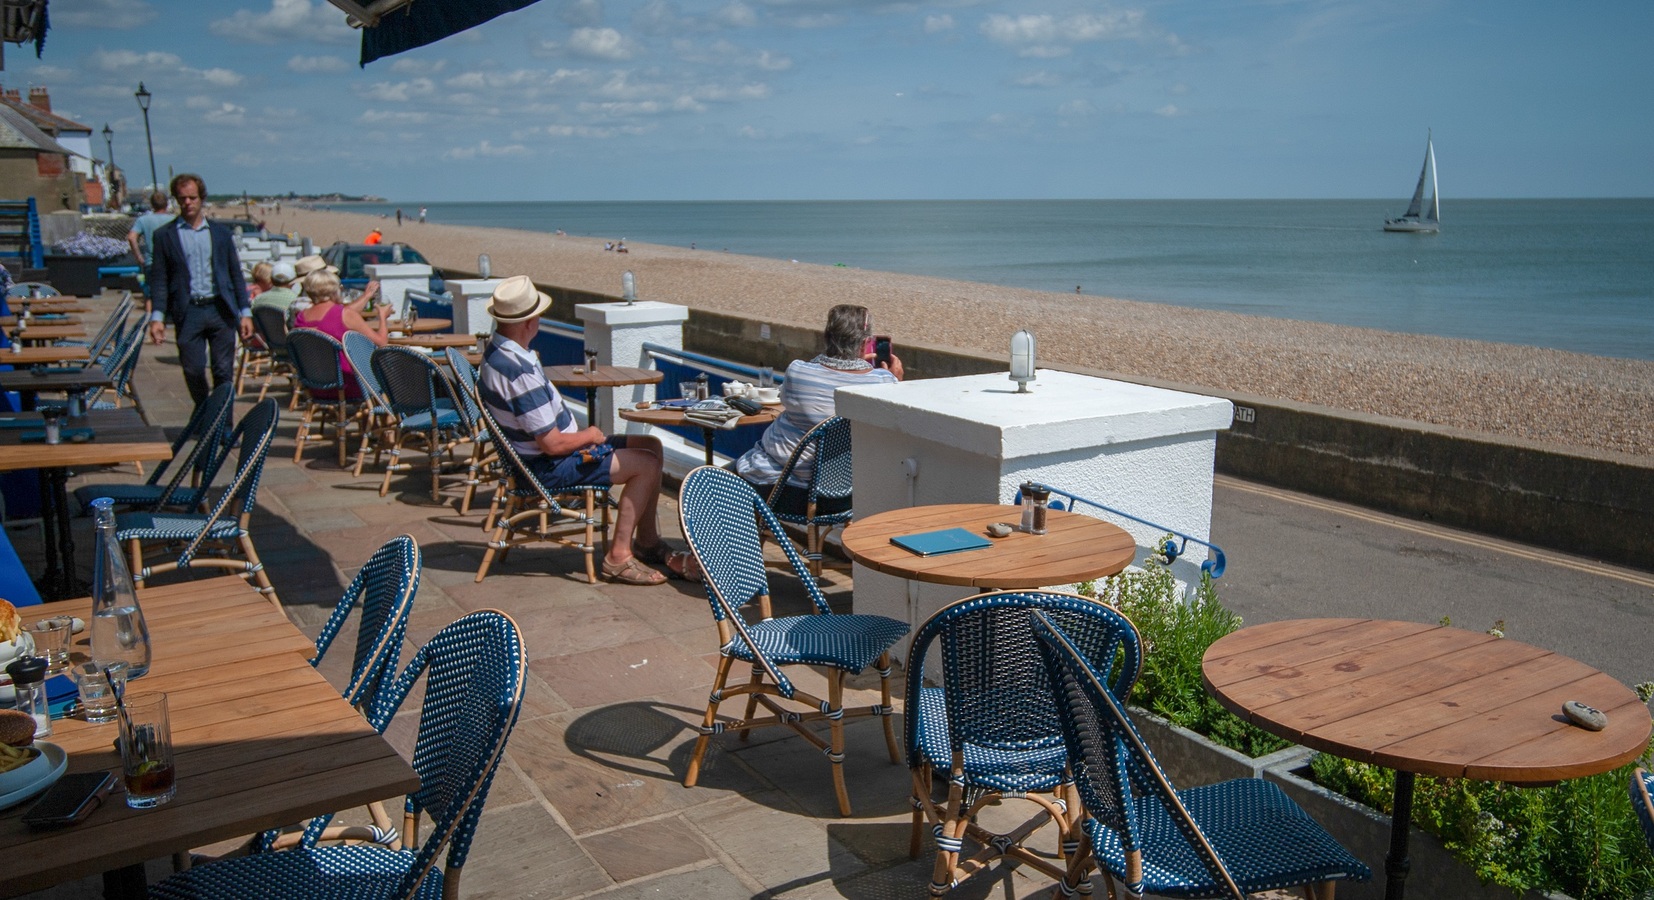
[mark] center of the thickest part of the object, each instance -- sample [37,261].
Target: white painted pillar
[973,439]
[617,332]
[396,280]
[252,250]
[471,296]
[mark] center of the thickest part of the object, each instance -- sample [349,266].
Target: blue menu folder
[935,543]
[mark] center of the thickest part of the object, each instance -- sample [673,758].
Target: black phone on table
[71,800]
[881,350]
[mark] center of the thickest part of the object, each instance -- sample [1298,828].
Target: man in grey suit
[196,273]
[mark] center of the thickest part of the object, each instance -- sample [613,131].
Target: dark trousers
[207,332]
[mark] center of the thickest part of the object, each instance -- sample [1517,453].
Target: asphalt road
[1296,556]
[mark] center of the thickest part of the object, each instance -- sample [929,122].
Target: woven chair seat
[137,494]
[149,526]
[848,642]
[445,418]
[1642,787]
[327,873]
[1265,840]
[1038,767]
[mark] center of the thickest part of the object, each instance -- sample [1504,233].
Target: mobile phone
[71,800]
[881,350]
[750,407]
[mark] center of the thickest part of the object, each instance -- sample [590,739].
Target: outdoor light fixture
[628,288]
[485,266]
[109,143]
[143,96]
[1022,359]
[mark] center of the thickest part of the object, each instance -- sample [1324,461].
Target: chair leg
[835,725]
[433,454]
[886,711]
[259,574]
[502,531]
[341,433]
[921,795]
[304,432]
[707,723]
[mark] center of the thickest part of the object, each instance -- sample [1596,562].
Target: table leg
[706,434]
[51,584]
[1396,864]
[66,532]
[594,407]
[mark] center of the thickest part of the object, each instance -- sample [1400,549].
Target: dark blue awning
[424,22]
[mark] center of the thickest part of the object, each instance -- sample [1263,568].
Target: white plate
[59,761]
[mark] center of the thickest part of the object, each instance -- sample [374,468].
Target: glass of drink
[97,698]
[688,390]
[146,751]
[51,640]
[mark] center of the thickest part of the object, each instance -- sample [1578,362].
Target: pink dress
[332,324]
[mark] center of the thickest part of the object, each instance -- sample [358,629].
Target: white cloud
[1037,79]
[737,15]
[103,13]
[1168,111]
[1076,109]
[311,65]
[592,132]
[286,20]
[599,43]
[936,24]
[406,65]
[392,117]
[751,133]
[400,91]
[128,60]
[221,77]
[226,114]
[485,149]
[1045,36]
[581,12]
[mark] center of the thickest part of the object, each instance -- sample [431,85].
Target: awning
[392,26]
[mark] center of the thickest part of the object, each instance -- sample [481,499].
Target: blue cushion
[328,873]
[15,583]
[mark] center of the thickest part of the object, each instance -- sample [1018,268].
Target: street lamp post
[109,176]
[143,104]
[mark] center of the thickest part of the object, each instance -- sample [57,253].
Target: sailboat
[1418,219]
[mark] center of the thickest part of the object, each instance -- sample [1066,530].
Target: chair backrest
[106,333]
[1642,783]
[411,381]
[522,480]
[359,350]
[721,515]
[821,460]
[315,358]
[209,428]
[996,689]
[465,379]
[385,588]
[271,324]
[473,672]
[253,434]
[1113,769]
[125,362]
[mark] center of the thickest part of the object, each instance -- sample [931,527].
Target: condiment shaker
[28,675]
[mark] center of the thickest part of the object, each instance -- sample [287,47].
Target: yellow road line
[1548,557]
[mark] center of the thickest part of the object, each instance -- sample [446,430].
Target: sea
[1566,274]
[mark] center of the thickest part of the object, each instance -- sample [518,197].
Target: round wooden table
[1424,699]
[434,341]
[673,417]
[599,377]
[421,325]
[1074,548]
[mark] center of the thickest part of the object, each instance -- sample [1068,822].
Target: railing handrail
[1171,548]
[712,364]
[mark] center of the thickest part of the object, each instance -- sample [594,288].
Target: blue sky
[868,99]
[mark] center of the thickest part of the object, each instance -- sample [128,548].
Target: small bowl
[26,774]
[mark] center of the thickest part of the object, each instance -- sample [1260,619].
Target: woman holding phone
[853,357]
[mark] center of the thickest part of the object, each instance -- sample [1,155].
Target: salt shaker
[702,386]
[1034,504]
[28,674]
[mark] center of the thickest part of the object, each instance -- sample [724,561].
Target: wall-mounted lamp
[628,288]
[396,254]
[1022,359]
[485,266]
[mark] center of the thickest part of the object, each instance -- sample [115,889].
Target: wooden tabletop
[119,435]
[1427,699]
[422,325]
[434,340]
[52,332]
[9,321]
[25,380]
[671,416]
[1075,548]
[605,376]
[262,740]
[29,356]
[50,304]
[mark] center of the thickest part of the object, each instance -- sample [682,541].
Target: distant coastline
[1557,398]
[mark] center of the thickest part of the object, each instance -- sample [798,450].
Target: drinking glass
[51,640]
[766,377]
[146,751]
[97,698]
[688,390]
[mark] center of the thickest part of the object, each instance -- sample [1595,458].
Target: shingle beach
[1506,391]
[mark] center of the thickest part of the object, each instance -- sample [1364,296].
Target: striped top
[514,388]
[807,396]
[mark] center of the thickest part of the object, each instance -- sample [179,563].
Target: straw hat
[516,299]
[310,264]
[282,273]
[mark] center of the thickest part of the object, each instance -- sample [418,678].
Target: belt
[203,301]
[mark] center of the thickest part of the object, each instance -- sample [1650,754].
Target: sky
[873,99]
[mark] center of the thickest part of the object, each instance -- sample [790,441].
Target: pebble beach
[1597,405]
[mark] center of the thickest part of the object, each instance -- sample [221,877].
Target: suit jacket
[170,274]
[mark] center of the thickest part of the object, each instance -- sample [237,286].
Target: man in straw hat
[513,386]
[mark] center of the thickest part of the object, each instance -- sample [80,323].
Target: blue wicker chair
[422,409]
[473,672]
[1222,840]
[375,413]
[483,466]
[991,726]
[211,539]
[207,434]
[721,515]
[532,514]
[108,332]
[271,324]
[822,460]
[327,391]
[120,366]
[1642,782]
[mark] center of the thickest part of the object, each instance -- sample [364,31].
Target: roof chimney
[11,94]
[39,96]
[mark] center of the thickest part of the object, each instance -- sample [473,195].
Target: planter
[1191,760]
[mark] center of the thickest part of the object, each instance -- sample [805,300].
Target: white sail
[1415,219]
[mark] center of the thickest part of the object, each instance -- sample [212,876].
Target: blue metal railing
[1171,548]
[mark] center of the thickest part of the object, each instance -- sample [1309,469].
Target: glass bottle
[28,675]
[118,630]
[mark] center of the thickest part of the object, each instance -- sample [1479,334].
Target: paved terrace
[589,801]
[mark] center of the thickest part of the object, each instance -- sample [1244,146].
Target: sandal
[654,554]
[632,572]
[681,565]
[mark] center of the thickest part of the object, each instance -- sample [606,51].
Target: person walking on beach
[197,272]
[142,241]
[422,215]
[399,217]
[559,452]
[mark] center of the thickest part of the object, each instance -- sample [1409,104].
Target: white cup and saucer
[769,396]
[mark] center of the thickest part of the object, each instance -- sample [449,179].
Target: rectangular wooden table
[43,334]
[18,355]
[30,384]
[262,740]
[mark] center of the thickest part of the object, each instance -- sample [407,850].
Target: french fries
[13,757]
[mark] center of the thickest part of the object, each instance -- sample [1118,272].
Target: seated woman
[807,396]
[332,318]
